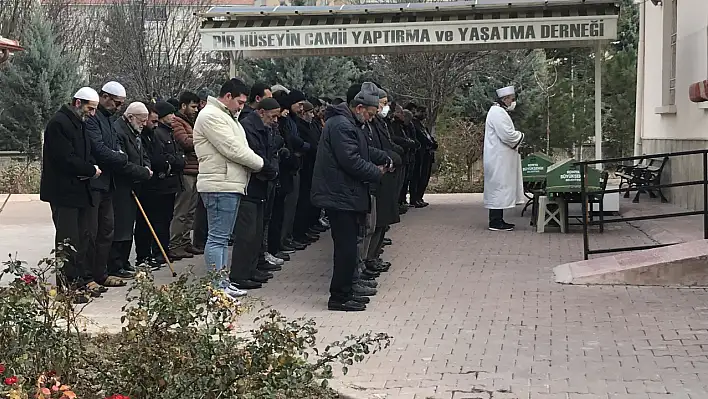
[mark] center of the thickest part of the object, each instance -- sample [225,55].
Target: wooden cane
[154,235]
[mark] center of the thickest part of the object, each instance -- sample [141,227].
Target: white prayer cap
[279,88]
[136,108]
[114,88]
[505,91]
[86,94]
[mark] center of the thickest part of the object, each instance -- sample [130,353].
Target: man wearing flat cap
[67,168]
[503,182]
[343,170]
[105,148]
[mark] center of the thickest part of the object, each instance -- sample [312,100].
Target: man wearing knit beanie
[344,167]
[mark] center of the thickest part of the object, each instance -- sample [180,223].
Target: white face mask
[385,111]
[511,106]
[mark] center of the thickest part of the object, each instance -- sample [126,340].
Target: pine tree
[35,83]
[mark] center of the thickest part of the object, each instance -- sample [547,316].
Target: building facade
[673,54]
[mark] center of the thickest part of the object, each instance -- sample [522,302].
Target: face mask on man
[385,110]
[511,106]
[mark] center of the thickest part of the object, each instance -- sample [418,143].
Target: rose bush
[177,342]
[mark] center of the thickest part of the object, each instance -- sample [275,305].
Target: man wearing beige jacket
[225,165]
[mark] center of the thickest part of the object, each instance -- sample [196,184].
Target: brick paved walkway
[475,314]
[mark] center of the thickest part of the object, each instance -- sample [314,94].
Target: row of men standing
[150,151]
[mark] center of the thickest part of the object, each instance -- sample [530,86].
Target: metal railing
[585,209]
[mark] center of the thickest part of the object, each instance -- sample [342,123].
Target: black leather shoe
[368,283]
[259,279]
[247,284]
[379,262]
[283,256]
[261,273]
[360,290]
[318,228]
[368,275]
[270,268]
[299,245]
[371,266]
[287,249]
[361,299]
[312,236]
[122,273]
[387,241]
[348,306]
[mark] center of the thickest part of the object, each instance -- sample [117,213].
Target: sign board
[533,167]
[564,177]
[434,33]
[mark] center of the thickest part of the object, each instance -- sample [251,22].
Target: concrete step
[683,264]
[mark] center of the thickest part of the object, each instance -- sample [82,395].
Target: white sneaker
[324,222]
[273,260]
[234,292]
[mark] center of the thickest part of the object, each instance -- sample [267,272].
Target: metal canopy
[405,28]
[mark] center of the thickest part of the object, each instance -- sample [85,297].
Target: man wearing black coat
[425,157]
[104,147]
[128,179]
[67,168]
[344,167]
[157,195]
[304,223]
[401,136]
[250,224]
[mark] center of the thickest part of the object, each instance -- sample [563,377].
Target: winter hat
[268,104]
[86,94]
[114,89]
[296,96]
[164,108]
[368,96]
[307,106]
[204,94]
[352,92]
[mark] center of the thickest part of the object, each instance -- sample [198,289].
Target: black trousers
[267,213]
[421,175]
[249,237]
[496,216]
[275,227]
[427,171]
[200,226]
[304,210]
[345,227]
[120,255]
[100,238]
[72,224]
[376,243]
[159,209]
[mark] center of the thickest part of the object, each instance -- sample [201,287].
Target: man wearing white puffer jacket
[225,165]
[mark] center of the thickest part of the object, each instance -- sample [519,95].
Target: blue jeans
[221,211]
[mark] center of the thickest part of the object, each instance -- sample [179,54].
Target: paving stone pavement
[475,314]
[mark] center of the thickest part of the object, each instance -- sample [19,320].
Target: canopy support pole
[598,103]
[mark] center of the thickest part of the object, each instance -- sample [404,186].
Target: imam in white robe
[503,182]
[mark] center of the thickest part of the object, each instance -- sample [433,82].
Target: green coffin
[533,167]
[564,177]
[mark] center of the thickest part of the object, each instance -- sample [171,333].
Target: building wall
[667,127]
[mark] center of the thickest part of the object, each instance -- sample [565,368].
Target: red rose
[11,380]
[2,368]
[28,279]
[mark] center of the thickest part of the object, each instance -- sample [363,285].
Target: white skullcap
[505,91]
[136,108]
[279,88]
[86,94]
[114,88]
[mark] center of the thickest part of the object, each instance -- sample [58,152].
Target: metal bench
[646,173]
